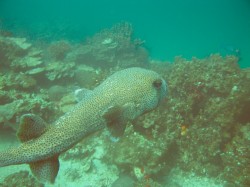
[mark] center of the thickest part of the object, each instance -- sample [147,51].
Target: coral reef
[20,179]
[210,99]
[112,47]
[202,127]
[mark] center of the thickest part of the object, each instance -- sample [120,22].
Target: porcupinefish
[121,97]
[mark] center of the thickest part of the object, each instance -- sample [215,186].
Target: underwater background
[170,28]
[199,136]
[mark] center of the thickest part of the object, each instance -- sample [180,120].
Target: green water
[170,28]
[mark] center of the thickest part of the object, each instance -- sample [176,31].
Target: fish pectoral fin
[116,123]
[82,93]
[45,170]
[31,126]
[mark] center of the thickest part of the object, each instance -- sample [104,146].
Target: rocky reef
[20,179]
[203,127]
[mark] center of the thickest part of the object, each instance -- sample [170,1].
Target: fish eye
[157,83]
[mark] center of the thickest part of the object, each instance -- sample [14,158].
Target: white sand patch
[73,173]
[189,179]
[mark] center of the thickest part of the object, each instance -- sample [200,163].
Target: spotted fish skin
[131,92]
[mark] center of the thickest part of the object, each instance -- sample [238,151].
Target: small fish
[121,97]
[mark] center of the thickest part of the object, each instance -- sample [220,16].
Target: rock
[124,181]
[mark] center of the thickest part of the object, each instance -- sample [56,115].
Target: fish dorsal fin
[45,170]
[82,93]
[31,126]
[115,120]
